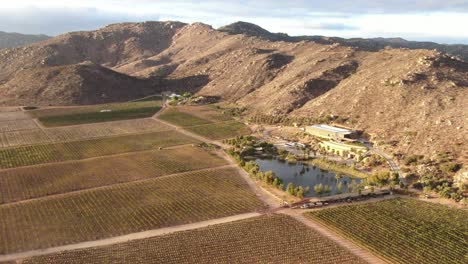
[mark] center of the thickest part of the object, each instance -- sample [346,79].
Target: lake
[307,175]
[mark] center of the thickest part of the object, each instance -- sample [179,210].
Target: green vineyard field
[403,230]
[221,130]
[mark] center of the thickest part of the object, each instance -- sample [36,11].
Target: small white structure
[105,110]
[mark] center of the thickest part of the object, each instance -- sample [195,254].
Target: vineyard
[13,115]
[176,117]
[124,208]
[208,112]
[80,132]
[39,181]
[14,125]
[265,239]
[63,116]
[75,150]
[221,130]
[403,230]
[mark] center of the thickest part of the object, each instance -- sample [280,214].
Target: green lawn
[403,230]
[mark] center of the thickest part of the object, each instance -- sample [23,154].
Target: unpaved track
[126,238]
[353,248]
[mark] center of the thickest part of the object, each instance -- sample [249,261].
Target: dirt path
[126,238]
[343,242]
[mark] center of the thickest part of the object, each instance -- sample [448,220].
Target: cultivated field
[75,150]
[205,121]
[15,125]
[403,230]
[265,239]
[123,209]
[176,117]
[39,181]
[221,130]
[13,115]
[63,116]
[208,112]
[80,132]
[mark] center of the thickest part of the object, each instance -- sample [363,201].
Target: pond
[308,175]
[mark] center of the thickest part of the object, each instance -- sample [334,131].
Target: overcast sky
[442,21]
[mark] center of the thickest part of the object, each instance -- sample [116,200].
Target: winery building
[330,132]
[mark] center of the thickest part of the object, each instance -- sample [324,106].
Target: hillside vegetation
[411,101]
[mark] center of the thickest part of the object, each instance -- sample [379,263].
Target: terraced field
[64,116]
[221,130]
[75,150]
[39,181]
[123,209]
[265,239]
[403,230]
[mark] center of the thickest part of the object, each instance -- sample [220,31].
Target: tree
[291,188]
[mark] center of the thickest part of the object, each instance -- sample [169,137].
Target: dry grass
[123,209]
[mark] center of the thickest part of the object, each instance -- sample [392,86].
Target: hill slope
[414,99]
[12,40]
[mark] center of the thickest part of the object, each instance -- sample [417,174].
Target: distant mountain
[368,44]
[12,40]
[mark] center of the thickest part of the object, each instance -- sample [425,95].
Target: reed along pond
[306,175]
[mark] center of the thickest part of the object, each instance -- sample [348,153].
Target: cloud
[331,26]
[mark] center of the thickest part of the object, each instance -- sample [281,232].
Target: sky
[442,21]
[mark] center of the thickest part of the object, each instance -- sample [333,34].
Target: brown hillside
[84,83]
[415,98]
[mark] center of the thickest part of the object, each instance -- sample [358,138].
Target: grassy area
[64,116]
[403,230]
[124,208]
[333,166]
[265,239]
[33,182]
[75,150]
[221,130]
[176,117]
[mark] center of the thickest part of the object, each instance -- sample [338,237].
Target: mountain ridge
[411,100]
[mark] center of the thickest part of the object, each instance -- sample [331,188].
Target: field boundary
[128,237]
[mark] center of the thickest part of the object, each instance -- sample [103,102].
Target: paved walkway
[126,238]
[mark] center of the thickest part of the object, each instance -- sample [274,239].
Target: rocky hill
[368,44]
[12,40]
[413,100]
